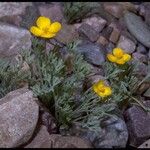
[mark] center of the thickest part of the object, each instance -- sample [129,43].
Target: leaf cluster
[76,11]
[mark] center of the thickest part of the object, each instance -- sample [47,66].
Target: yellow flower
[45,28]
[101,89]
[119,56]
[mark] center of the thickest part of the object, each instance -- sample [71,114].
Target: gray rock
[46,119]
[112,133]
[89,32]
[92,52]
[30,16]
[126,44]
[114,35]
[144,86]
[97,23]
[141,57]
[59,141]
[141,49]
[11,12]
[107,32]
[44,140]
[138,28]
[118,9]
[41,140]
[146,144]
[138,122]
[67,34]
[109,47]
[115,10]
[141,68]
[102,40]
[52,11]
[146,12]
[19,114]
[13,40]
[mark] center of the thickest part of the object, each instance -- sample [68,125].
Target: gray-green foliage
[76,11]
[11,76]
[52,84]
[124,82]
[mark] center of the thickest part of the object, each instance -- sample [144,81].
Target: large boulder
[138,28]
[138,122]
[11,12]
[13,40]
[19,114]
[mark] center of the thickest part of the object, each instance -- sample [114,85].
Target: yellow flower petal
[120,61]
[43,22]
[111,58]
[46,35]
[101,94]
[95,88]
[108,91]
[118,52]
[54,27]
[36,31]
[126,57]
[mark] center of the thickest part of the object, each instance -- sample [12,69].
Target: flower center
[102,90]
[46,31]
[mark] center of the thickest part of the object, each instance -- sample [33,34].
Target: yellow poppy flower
[101,89]
[45,28]
[119,56]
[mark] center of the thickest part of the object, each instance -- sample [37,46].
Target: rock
[30,16]
[97,23]
[107,32]
[89,32]
[112,133]
[138,28]
[146,144]
[59,141]
[11,12]
[118,9]
[141,57]
[67,34]
[102,40]
[18,118]
[126,44]
[144,12]
[114,36]
[141,49]
[52,11]
[13,40]
[129,36]
[109,47]
[141,69]
[44,140]
[138,124]
[41,140]
[93,53]
[147,93]
[128,6]
[46,119]
[114,9]
[144,86]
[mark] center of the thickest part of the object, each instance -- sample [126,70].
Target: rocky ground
[24,122]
